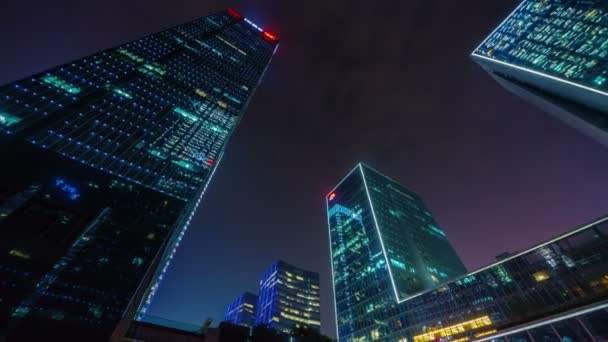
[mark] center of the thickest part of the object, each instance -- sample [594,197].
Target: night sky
[385,82]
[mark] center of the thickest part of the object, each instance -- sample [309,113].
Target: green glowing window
[156,68]
[95,311]
[122,93]
[437,230]
[8,120]
[467,280]
[395,213]
[398,264]
[232,98]
[59,83]
[21,311]
[186,114]
[131,55]
[600,80]
[184,164]
[103,261]
[137,261]
[157,154]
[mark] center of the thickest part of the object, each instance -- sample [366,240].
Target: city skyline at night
[390,84]
[129,138]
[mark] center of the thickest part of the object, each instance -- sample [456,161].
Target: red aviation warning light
[269,36]
[234,13]
[331,196]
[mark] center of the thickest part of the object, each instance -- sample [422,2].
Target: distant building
[242,310]
[289,297]
[555,291]
[554,53]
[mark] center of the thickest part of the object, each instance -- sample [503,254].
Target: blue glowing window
[70,190]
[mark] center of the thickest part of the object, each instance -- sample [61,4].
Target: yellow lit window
[19,253]
[541,276]
[375,335]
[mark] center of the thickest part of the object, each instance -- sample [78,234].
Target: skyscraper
[105,160]
[242,310]
[554,53]
[395,228]
[289,297]
[555,291]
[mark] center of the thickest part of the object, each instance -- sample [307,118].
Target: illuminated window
[375,335]
[59,83]
[8,120]
[19,253]
[541,276]
[436,333]
[137,261]
[186,114]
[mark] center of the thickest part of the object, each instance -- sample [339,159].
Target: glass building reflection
[555,291]
[554,53]
[105,160]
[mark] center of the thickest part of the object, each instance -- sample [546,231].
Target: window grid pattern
[566,274]
[567,39]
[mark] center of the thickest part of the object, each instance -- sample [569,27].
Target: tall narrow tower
[554,53]
[105,160]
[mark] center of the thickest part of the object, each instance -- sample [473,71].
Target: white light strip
[388,266]
[605,218]
[156,280]
[331,263]
[254,25]
[532,326]
[541,74]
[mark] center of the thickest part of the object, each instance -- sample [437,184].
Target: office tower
[289,297]
[105,160]
[555,291]
[242,310]
[391,225]
[554,53]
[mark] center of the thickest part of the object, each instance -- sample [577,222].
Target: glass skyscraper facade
[289,297]
[242,310]
[555,291]
[554,53]
[105,159]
